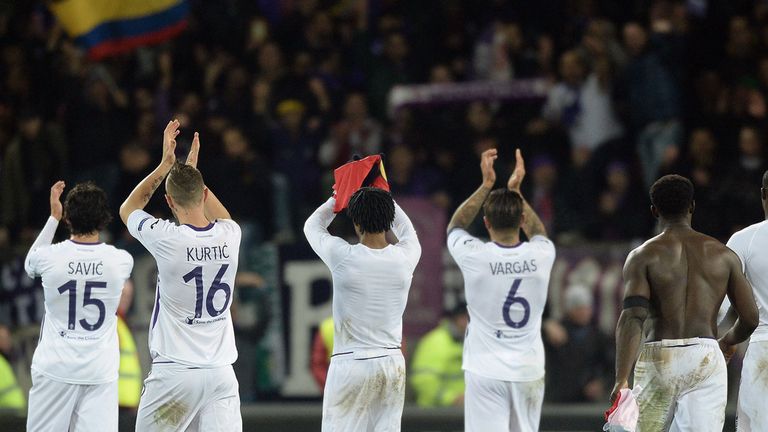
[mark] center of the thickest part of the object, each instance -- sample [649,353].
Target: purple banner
[425,301]
[595,266]
[437,94]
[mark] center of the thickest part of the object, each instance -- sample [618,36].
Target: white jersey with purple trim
[506,290]
[191,322]
[370,286]
[749,244]
[82,283]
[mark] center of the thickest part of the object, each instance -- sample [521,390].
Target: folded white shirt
[622,416]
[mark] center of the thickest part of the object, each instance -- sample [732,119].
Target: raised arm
[629,330]
[531,223]
[403,229]
[143,192]
[45,238]
[402,226]
[214,209]
[467,211]
[328,247]
[743,302]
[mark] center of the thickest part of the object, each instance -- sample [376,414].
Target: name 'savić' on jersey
[506,290]
[82,283]
[191,322]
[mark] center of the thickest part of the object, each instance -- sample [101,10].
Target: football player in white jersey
[751,245]
[365,389]
[74,368]
[506,284]
[192,385]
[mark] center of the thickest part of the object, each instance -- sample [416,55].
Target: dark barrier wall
[292,417]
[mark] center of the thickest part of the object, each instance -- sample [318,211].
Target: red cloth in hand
[353,175]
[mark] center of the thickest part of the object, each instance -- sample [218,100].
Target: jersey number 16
[216,285]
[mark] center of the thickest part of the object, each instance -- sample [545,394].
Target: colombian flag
[107,27]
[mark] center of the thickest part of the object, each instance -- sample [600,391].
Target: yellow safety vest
[129,382]
[326,332]
[436,375]
[11,396]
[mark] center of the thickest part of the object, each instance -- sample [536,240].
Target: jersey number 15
[71,286]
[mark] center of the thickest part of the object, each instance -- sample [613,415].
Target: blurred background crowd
[284,91]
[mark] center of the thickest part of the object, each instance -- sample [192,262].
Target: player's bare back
[687,273]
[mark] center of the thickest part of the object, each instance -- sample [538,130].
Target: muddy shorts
[182,398]
[684,386]
[365,391]
[56,406]
[495,405]
[752,411]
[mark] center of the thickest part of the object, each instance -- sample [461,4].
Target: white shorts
[56,406]
[183,398]
[752,410]
[364,391]
[495,405]
[684,386]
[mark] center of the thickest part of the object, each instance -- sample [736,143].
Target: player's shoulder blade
[542,243]
[229,224]
[760,228]
[122,254]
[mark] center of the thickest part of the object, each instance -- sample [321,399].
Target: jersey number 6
[216,285]
[511,299]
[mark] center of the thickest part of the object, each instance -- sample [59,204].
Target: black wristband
[636,301]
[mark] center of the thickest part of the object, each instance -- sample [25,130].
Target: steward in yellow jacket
[436,374]
[129,380]
[11,396]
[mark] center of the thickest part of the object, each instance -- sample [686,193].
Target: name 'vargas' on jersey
[191,322]
[513,267]
[506,291]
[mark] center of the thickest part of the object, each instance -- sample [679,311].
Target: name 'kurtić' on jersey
[191,322]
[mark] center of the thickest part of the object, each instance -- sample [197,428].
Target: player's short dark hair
[672,195]
[765,179]
[185,185]
[457,310]
[372,209]
[503,209]
[85,209]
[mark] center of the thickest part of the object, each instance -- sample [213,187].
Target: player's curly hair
[503,209]
[86,210]
[372,209]
[672,195]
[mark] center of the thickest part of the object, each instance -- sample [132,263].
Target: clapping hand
[516,179]
[486,166]
[57,210]
[194,151]
[169,142]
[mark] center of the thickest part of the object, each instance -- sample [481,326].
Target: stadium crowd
[282,92]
